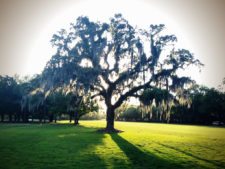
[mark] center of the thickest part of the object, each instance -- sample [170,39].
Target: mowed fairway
[141,145]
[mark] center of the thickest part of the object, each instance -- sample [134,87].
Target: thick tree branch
[131,93]
[126,75]
[96,95]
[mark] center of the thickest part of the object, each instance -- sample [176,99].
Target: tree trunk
[2,117]
[168,117]
[76,118]
[15,118]
[44,116]
[32,117]
[10,117]
[167,102]
[55,118]
[70,116]
[40,119]
[110,119]
[51,117]
[18,117]
[76,122]
[25,117]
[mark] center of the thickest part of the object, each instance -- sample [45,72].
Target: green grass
[141,145]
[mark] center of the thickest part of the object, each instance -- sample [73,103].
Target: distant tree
[120,110]
[32,98]
[114,60]
[212,107]
[86,106]
[57,104]
[130,114]
[80,106]
[10,96]
[200,105]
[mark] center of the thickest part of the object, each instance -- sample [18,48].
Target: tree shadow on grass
[78,144]
[140,159]
[51,146]
[215,163]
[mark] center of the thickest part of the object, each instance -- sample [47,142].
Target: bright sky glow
[138,14]
[181,18]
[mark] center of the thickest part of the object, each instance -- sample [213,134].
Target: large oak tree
[114,61]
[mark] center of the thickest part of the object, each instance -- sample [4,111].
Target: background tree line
[196,105]
[22,101]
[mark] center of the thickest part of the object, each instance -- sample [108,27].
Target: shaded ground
[141,146]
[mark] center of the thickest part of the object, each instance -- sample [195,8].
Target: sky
[26,28]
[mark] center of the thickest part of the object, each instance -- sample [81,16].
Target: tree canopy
[115,61]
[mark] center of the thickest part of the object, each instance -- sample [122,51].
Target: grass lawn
[142,145]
